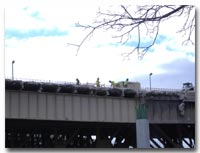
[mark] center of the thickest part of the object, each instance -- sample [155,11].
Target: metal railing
[94,84]
[161,89]
[57,82]
[40,80]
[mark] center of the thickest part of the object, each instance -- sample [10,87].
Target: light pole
[150,80]
[13,70]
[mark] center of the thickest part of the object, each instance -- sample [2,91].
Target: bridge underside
[61,134]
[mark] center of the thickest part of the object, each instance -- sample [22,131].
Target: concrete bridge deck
[52,105]
[66,116]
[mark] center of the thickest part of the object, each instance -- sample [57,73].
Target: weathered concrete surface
[75,107]
[142,133]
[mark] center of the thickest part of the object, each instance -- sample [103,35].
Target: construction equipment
[188,92]
[188,86]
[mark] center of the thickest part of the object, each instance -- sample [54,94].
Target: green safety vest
[113,83]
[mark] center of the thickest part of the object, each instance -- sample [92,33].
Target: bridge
[43,114]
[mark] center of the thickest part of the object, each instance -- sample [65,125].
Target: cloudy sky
[36,37]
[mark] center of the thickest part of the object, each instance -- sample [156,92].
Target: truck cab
[188,86]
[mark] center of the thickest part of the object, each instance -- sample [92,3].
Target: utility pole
[13,69]
[150,80]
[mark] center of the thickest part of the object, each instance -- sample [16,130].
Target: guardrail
[40,80]
[94,84]
[161,89]
[56,82]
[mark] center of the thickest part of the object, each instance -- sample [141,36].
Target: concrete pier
[142,127]
[142,132]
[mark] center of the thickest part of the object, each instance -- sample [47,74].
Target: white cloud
[52,14]
[50,58]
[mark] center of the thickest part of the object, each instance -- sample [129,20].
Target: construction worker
[77,81]
[112,83]
[125,83]
[98,82]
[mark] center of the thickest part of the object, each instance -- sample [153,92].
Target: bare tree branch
[128,22]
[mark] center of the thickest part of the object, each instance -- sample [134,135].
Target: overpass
[66,115]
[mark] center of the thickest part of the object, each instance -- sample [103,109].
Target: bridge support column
[142,127]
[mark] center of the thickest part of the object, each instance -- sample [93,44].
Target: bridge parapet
[157,93]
